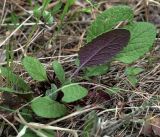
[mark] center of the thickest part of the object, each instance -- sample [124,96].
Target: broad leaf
[48,108]
[96,70]
[133,71]
[58,69]
[143,35]
[15,80]
[73,92]
[108,20]
[103,48]
[132,79]
[35,68]
[11,90]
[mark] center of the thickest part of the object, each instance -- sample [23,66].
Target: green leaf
[108,20]
[73,92]
[77,62]
[6,89]
[87,10]
[68,4]
[133,80]
[44,6]
[45,3]
[14,18]
[59,71]
[48,17]
[90,124]
[40,11]
[35,68]
[56,8]
[143,35]
[37,11]
[14,79]
[114,90]
[52,92]
[48,108]
[27,114]
[30,133]
[96,70]
[133,71]
[71,2]
[10,90]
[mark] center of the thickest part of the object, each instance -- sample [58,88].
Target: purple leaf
[103,48]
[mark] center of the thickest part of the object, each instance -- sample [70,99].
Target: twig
[1,44]
[73,114]
[9,123]
[33,126]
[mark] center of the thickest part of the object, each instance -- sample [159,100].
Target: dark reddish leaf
[104,47]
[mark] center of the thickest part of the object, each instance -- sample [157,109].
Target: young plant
[142,35]
[71,92]
[126,44]
[40,11]
[111,43]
